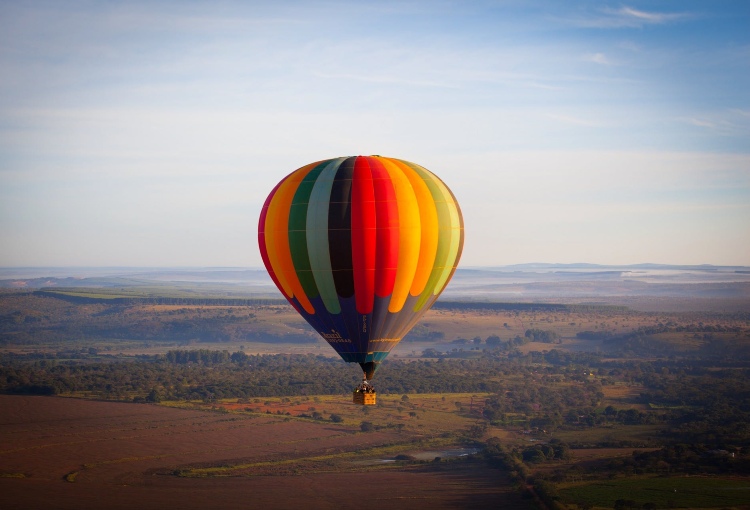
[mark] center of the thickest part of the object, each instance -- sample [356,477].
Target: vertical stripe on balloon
[340,229]
[409,235]
[262,239]
[429,231]
[277,238]
[387,223]
[298,232]
[445,247]
[317,236]
[364,236]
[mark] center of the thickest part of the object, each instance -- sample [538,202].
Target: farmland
[158,398]
[71,453]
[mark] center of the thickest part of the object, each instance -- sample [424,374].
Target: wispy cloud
[629,17]
[728,122]
[598,58]
[649,17]
[577,121]
[701,123]
[386,80]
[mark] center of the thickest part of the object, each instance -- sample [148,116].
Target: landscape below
[157,393]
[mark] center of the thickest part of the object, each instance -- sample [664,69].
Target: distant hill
[643,286]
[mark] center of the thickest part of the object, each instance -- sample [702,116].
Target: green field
[631,433]
[663,492]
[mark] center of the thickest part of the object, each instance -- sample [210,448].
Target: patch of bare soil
[75,454]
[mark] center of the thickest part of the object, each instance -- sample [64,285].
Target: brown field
[69,453]
[623,396]
[594,454]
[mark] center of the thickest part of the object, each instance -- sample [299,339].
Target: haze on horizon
[150,133]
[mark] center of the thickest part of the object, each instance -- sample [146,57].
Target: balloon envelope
[361,247]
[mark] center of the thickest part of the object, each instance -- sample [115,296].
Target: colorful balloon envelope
[361,247]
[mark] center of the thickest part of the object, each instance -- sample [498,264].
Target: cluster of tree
[699,404]
[540,335]
[38,318]
[714,342]
[692,459]
[627,416]
[572,358]
[525,307]
[217,329]
[499,456]
[549,404]
[492,342]
[422,332]
[512,461]
[554,450]
[671,327]
[203,357]
[17,318]
[210,375]
[83,296]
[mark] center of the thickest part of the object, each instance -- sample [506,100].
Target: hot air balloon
[361,247]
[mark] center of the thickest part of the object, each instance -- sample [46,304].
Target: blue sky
[149,133]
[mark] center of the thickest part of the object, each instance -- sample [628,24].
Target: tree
[477,430]
[493,341]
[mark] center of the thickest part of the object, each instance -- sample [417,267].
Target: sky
[150,133]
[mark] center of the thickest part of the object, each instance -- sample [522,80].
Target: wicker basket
[364,398]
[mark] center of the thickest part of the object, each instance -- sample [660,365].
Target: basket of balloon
[364,395]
